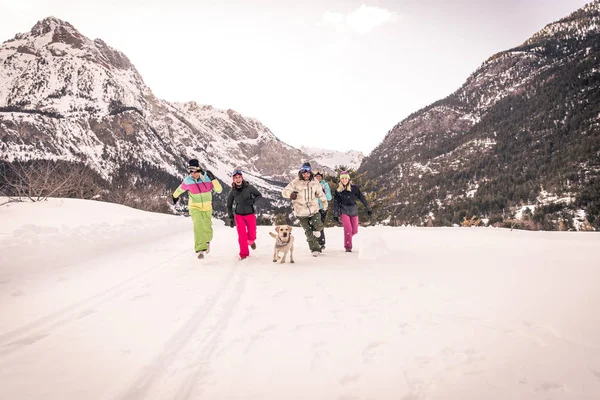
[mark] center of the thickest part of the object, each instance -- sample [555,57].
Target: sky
[333,74]
[102,301]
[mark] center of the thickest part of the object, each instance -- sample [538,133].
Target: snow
[334,158]
[101,301]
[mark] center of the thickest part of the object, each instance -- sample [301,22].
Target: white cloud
[362,20]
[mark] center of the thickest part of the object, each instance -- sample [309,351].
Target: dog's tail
[273,235]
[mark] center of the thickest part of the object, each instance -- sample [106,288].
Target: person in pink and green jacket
[199,184]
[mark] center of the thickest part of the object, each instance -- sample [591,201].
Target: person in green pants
[305,193]
[199,184]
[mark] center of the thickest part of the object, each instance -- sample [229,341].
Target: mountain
[333,158]
[66,97]
[524,128]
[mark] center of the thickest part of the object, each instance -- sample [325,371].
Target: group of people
[309,193]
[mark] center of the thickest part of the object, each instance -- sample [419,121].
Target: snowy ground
[100,301]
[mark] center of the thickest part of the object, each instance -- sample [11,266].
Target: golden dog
[284,243]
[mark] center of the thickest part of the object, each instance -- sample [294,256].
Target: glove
[210,175]
[369,212]
[294,195]
[231,223]
[336,219]
[175,199]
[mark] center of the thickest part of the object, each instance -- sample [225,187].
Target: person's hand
[294,195]
[175,199]
[336,219]
[210,175]
[369,212]
[231,223]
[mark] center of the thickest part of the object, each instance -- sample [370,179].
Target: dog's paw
[274,260]
[291,261]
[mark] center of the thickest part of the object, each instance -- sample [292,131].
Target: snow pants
[203,231]
[310,225]
[246,229]
[323,216]
[350,229]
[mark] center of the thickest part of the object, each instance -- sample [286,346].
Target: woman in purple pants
[345,207]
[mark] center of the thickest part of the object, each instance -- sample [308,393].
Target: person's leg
[316,223]
[202,229]
[308,231]
[354,222]
[322,237]
[251,224]
[242,229]
[347,231]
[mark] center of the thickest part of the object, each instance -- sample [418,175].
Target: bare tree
[37,180]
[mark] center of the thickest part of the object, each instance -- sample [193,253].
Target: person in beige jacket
[305,193]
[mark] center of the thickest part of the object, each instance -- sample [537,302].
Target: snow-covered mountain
[66,97]
[526,121]
[333,158]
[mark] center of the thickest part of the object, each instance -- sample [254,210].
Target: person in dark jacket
[241,203]
[327,191]
[345,208]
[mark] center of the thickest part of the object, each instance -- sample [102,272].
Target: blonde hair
[341,187]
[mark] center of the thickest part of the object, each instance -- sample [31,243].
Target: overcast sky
[335,74]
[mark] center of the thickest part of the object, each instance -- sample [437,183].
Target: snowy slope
[334,158]
[100,301]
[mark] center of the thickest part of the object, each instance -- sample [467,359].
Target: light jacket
[199,192]
[327,192]
[309,194]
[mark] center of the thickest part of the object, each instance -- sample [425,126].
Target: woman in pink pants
[241,202]
[345,207]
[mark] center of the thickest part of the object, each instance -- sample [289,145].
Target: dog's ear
[277,229]
[290,228]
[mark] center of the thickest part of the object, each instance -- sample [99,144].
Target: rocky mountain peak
[57,38]
[51,24]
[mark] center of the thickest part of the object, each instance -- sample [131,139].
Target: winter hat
[305,167]
[344,174]
[237,171]
[193,165]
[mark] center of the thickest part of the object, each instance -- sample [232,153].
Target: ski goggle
[237,172]
[304,169]
[319,173]
[193,169]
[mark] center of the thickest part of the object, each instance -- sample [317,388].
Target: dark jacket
[243,197]
[345,200]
